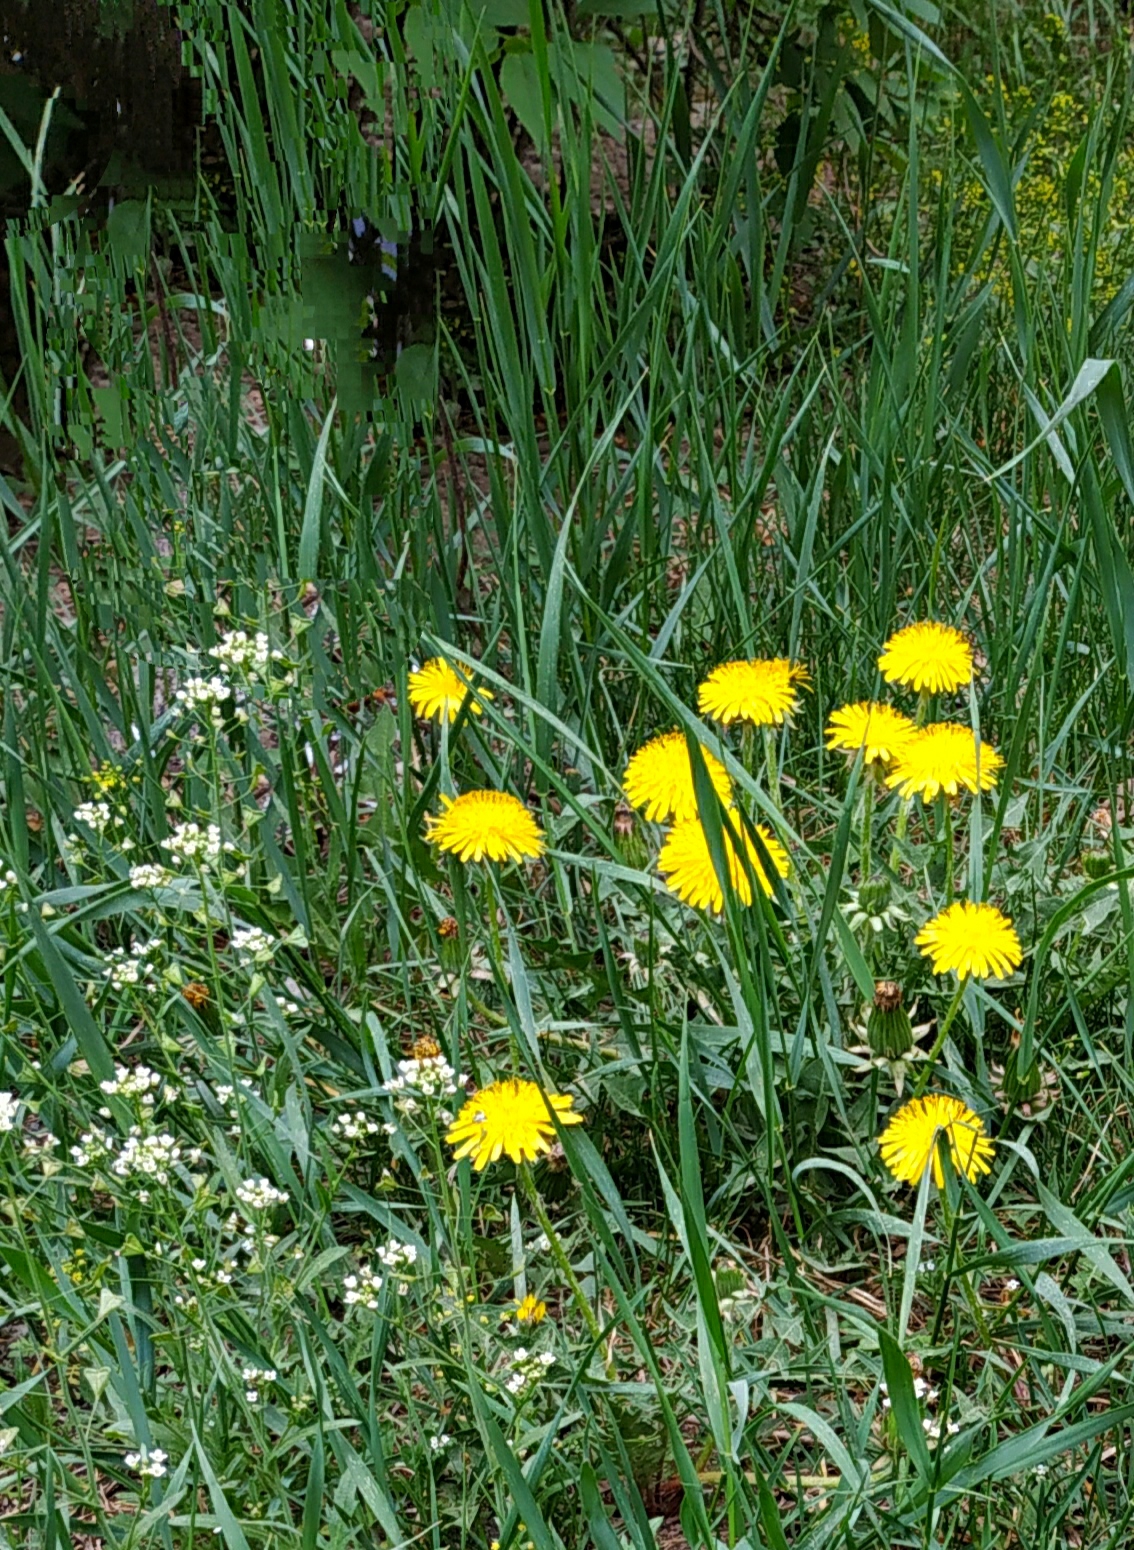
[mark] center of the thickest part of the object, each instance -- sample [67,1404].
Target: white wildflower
[353,1127]
[9,1111]
[259,1194]
[148,1461]
[253,945]
[149,1157]
[96,816]
[362,1288]
[244,653]
[149,875]
[432,1078]
[191,843]
[206,695]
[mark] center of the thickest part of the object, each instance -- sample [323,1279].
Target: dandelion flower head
[492,824]
[512,1117]
[909,1142]
[879,730]
[438,690]
[927,656]
[687,865]
[971,940]
[659,778]
[944,757]
[762,691]
[531,1310]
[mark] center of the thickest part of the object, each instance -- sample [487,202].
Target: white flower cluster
[253,945]
[527,1370]
[432,1078]
[363,1288]
[259,1194]
[96,816]
[352,1127]
[189,842]
[135,967]
[244,653]
[933,1427]
[149,875]
[141,1083]
[148,1461]
[93,1146]
[253,1377]
[399,1258]
[147,1157]
[9,1111]
[206,695]
[440,1440]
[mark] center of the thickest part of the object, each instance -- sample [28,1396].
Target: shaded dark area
[125,121]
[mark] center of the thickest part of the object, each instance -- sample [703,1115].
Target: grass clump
[568,941]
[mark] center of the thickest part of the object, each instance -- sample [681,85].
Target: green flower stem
[951,1226]
[900,832]
[923,700]
[559,1254]
[948,852]
[866,860]
[942,1034]
[773,772]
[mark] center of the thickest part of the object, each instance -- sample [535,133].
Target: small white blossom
[259,1194]
[527,1370]
[432,1078]
[442,1440]
[190,843]
[149,1157]
[352,1127]
[138,1083]
[93,1146]
[205,694]
[148,1461]
[96,816]
[9,1111]
[135,967]
[253,945]
[362,1288]
[149,875]
[247,654]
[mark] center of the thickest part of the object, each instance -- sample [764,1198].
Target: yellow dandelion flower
[761,691]
[971,939]
[512,1116]
[486,823]
[928,656]
[688,869]
[944,757]
[879,730]
[437,689]
[909,1142]
[531,1310]
[659,778]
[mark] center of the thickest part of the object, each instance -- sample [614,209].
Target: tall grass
[698,400]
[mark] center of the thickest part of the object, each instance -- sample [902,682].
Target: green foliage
[749,342]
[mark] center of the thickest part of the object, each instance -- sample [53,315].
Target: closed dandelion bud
[1097,863]
[874,897]
[628,835]
[888,1028]
[449,933]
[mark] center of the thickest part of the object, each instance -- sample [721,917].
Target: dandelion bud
[888,1027]
[1097,863]
[874,897]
